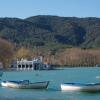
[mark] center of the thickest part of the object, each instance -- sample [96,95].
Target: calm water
[56,77]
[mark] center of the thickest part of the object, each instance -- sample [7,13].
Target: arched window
[27,66]
[30,65]
[23,66]
[19,66]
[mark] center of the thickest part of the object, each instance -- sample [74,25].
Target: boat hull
[36,85]
[81,87]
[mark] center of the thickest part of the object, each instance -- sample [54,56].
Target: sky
[67,8]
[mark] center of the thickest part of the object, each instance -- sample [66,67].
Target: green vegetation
[52,37]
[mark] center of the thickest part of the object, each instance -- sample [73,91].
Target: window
[23,66]
[19,66]
[30,65]
[27,66]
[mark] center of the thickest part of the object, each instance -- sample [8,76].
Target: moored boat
[25,84]
[89,87]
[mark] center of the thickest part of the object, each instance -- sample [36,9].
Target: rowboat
[89,87]
[25,84]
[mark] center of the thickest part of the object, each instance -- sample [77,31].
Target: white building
[34,64]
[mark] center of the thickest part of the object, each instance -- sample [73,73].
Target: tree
[6,52]
[22,53]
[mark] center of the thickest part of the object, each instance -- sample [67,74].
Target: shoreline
[54,68]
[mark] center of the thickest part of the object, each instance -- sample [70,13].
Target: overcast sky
[66,8]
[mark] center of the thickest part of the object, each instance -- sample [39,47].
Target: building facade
[34,64]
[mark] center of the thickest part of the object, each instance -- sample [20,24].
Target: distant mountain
[51,30]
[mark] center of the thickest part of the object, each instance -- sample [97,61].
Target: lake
[53,92]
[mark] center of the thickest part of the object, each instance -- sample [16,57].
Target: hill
[51,31]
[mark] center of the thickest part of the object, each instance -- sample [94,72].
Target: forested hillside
[51,30]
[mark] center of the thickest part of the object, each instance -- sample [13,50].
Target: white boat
[25,84]
[89,87]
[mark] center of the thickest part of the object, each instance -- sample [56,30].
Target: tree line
[71,57]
